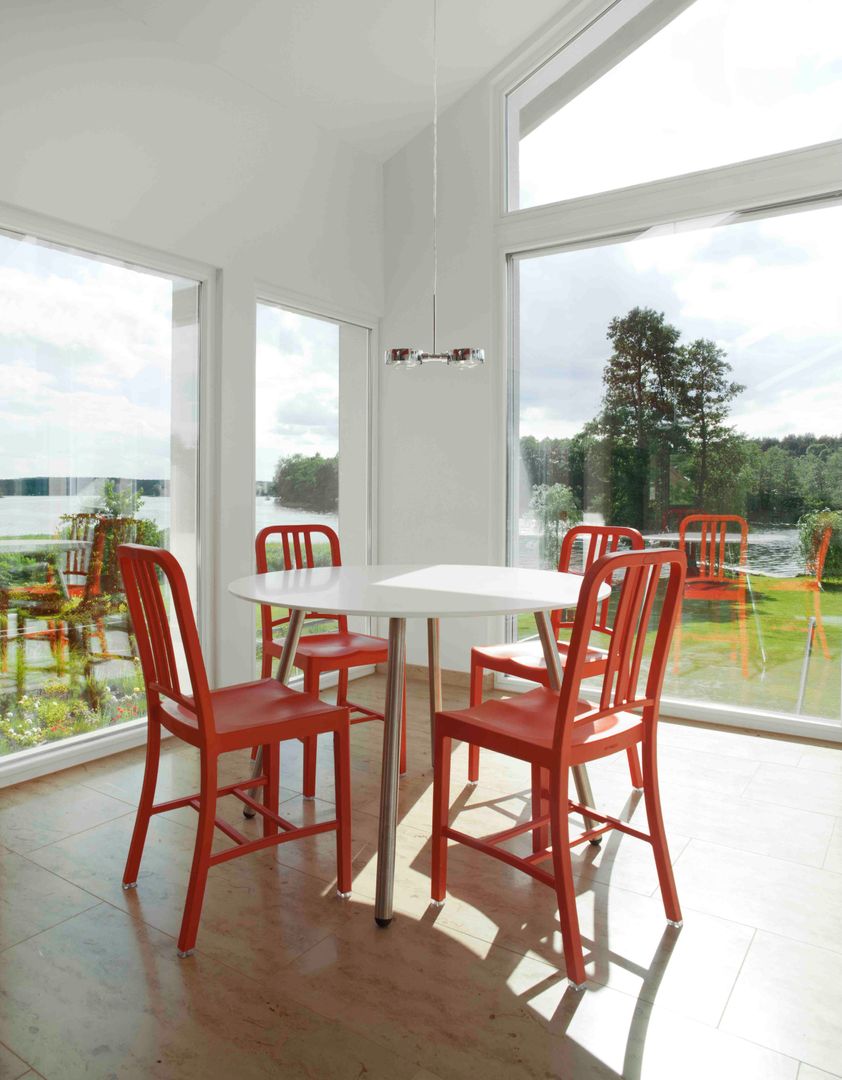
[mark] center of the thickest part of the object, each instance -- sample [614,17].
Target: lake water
[772,549]
[23,514]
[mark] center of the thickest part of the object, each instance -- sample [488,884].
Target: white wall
[105,127]
[440,452]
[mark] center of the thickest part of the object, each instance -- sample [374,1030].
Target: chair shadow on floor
[535,938]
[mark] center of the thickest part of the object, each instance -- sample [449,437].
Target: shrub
[811,528]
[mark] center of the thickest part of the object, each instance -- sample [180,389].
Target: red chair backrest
[87,529]
[140,567]
[711,558]
[297,554]
[597,540]
[641,574]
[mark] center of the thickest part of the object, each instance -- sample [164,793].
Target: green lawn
[717,658]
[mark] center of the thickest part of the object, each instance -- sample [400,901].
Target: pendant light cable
[435,167]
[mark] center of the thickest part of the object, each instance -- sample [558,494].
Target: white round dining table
[399,593]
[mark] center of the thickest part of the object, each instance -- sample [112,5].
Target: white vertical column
[354,428]
[184,427]
[234,624]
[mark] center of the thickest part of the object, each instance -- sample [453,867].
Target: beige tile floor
[288,981]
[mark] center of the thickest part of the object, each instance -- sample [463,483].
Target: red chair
[525,659]
[556,732]
[709,575]
[811,584]
[317,654]
[262,713]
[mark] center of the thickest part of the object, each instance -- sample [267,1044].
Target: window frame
[766,185]
[78,749]
[313,308]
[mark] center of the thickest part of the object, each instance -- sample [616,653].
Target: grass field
[718,652]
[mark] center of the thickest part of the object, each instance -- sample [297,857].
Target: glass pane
[297,426]
[725,81]
[700,373]
[99,363]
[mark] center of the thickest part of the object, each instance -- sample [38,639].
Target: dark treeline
[662,442]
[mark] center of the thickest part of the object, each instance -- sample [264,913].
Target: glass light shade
[403,358]
[466,358]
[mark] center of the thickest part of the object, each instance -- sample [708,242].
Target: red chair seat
[337,650]
[523,725]
[239,709]
[525,659]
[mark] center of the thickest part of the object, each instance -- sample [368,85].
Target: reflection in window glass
[725,81]
[99,367]
[699,373]
[297,429]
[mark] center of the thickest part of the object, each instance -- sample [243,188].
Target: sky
[297,410]
[725,81]
[766,291]
[85,365]
[86,346]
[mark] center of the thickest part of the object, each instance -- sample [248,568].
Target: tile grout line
[734,984]
[28,1064]
[48,929]
[79,832]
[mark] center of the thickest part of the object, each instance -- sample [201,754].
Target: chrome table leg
[554,673]
[285,665]
[387,832]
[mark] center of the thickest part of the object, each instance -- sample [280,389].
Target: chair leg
[820,633]
[634,768]
[564,887]
[311,743]
[342,688]
[342,782]
[402,767]
[441,811]
[271,791]
[676,644]
[475,699]
[201,857]
[540,807]
[652,800]
[144,809]
[265,664]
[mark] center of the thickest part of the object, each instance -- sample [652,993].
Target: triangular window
[643,94]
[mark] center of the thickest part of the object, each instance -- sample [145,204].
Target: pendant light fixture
[460,358]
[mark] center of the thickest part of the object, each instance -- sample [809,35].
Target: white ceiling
[360,68]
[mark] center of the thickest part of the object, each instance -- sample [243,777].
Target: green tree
[705,393]
[556,508]
[307,483]
[643,383]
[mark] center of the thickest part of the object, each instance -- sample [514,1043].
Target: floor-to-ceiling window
[664,369]
[311,452]
[99,363]
[699,373]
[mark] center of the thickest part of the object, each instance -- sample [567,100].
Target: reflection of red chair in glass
[556,732]
[316,654]
[525,659]
[78,579]
[811,584]
[262,713]
[707,571]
